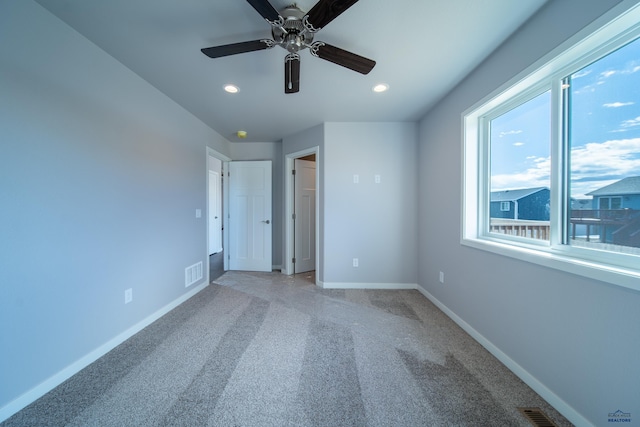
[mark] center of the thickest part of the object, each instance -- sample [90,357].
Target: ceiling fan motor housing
[295,38]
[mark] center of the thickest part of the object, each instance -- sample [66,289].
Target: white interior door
[250,216]
[215,213]
[305,216]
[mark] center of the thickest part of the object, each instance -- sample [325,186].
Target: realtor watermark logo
[619,417]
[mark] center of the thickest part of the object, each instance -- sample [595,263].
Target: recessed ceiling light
[231,88]
[382,87]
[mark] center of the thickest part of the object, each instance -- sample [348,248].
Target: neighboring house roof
[512,195]
[629,185]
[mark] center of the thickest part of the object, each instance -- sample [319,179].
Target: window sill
[620,276]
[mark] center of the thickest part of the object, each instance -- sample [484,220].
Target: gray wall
[375,223]
[100,177]
[577,337]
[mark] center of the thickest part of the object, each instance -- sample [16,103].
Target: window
[552,163]
[609,203]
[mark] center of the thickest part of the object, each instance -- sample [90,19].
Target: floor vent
[537,417]
[192,274]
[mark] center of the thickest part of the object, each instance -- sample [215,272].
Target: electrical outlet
[377,179]
[198,213]
[356,179]
[441,277]
[128,296]
[355,262]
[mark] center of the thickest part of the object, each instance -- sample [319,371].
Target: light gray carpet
[264,349]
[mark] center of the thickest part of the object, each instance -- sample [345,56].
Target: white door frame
[289,200]
[305,215]
[225,205]
[214,205]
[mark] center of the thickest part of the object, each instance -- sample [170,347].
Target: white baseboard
[561,406]
[346,285]
[57,379]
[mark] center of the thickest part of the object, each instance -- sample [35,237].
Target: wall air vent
[536,417]
[192,274]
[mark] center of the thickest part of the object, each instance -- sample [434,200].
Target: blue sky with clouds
[605,130]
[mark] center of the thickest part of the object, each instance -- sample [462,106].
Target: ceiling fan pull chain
[292,73]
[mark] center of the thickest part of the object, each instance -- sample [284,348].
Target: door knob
[267,222]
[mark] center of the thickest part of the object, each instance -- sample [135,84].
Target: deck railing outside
[594,221]
[602,214]
[519,227]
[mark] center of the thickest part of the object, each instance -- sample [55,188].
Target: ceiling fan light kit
[293,30]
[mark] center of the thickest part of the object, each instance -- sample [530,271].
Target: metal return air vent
[192,274]
[537,417]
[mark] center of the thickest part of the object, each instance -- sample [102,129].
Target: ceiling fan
[294,30]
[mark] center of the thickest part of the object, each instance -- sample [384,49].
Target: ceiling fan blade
[266,10]
[292,73]
[342,57]
[235,48]
[326,11]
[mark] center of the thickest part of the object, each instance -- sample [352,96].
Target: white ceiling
[423,48]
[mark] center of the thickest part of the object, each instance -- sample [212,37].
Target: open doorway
[301,228]
[304,214]
[216,236]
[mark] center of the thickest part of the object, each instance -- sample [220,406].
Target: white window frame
[505,206]
[608,33]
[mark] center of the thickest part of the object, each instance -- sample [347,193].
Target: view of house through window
[604,137]
[601,118]
[552,161]
[520,175]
